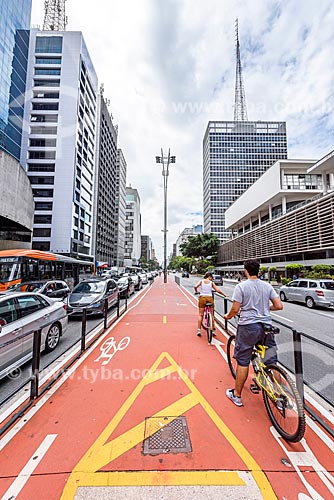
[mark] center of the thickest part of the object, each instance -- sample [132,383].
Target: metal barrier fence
[310,360]
[36,371]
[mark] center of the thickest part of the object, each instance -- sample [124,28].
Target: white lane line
[15,489]
[282,317]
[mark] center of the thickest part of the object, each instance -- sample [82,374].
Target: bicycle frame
[261,376]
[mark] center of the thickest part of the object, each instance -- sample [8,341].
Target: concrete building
[58,150]
[286,216]
[184,236]
[146,248]
[132,247]
[16,202]
[235,155]
[120,207]
[104,236]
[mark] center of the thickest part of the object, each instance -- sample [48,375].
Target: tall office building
[120,206]
[58,147]
[105,187]
[146,247]
[16,201]
[235,155]
[14,44]
[132,247]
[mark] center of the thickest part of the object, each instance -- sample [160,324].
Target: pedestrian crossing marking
[103,450]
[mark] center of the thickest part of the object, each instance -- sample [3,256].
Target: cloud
[168,67]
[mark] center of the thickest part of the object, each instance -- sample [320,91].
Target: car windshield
[329,285]
[89,287]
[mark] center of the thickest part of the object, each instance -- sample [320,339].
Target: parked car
[126,286]
[218,280]
[20,314]
[185,274]
[137,281]
[312,292]
[144,278]
[56,289]
[91,294]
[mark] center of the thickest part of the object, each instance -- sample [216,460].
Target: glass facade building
[14,45]
[235,155]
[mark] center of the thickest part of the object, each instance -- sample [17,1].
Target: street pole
[165,160]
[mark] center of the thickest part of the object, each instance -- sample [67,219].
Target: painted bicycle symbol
[110,347]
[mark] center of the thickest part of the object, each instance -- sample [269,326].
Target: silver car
[312,292]
[20,314]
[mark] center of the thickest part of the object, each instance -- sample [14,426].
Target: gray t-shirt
[254,297]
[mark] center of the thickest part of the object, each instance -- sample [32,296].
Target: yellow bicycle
[280,395]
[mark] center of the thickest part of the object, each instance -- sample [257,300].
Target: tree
[201,246]
[294,269]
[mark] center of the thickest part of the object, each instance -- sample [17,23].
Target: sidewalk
[144,416]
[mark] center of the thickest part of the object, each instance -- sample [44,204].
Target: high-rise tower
[240,109]
[54,18]
[235,154]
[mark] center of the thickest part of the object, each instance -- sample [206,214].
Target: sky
[168,67]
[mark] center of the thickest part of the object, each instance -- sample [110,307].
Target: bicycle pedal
[255,389]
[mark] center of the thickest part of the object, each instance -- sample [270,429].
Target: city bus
[20,265]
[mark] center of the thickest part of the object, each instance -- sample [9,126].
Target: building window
[44,118]
[48,106]
[43,143]
[42,193]
[41,180]
[46,83]
[43,205]
[42,219]
[49,44]
[48,60]
[47,71]
[43,246]
[42,232]
[41,167]
[46,155]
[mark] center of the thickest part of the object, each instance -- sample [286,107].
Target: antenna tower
[54,18]
[240,110]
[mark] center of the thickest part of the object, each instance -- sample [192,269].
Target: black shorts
[247,337]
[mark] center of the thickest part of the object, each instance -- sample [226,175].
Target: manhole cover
[166,435]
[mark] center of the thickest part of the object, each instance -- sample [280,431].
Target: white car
[20,315]
[144,278]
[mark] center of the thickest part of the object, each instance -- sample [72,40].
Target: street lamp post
[165,160]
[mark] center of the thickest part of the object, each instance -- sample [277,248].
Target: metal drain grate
[166,435]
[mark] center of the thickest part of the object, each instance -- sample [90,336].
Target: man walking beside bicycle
[253,300]
[207,287]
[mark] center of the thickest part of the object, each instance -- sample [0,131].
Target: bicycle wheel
[232,363]
[283,404]
[209,327]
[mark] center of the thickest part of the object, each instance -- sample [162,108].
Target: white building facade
[286,216]
[58,145]
[132,247]
[184,236]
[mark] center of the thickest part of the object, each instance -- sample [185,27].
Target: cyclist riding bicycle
[253,300]
[207,286]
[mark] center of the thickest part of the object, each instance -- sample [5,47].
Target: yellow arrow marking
[103,451]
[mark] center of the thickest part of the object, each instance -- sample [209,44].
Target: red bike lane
[92,430]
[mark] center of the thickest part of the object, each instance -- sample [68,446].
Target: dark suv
[90,294]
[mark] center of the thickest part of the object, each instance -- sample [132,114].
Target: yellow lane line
[164,320]
[165,478]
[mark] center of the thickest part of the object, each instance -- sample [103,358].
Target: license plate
[77,310]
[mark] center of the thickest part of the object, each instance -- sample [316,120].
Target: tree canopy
[201,246]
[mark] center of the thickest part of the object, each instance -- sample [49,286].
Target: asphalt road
[318,360]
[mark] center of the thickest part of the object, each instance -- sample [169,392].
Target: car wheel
[52,338]
[282,296]
[310,302]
